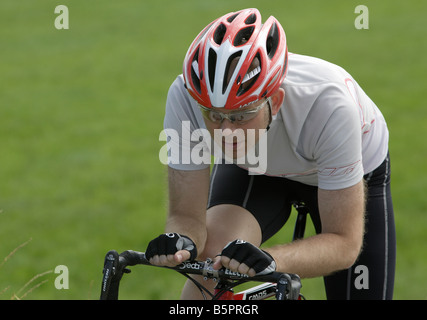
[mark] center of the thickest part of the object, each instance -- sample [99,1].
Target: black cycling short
[269,200]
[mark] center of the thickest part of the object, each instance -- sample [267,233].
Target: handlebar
[115,265]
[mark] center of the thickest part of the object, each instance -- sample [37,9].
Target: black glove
[170,243]
[255,258]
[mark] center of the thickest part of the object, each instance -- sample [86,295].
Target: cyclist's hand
[245,258]
[170,249]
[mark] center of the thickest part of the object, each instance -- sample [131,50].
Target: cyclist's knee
[226,223]
[209,251]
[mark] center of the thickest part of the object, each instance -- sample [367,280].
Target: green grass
[81,111]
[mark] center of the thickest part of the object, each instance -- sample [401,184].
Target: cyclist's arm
[188,196]
[339,244]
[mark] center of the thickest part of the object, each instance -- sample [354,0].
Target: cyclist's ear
[277,99]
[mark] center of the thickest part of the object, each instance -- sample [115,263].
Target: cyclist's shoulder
[180,106]
[316,87]
[308,71]
[178,96]
[177,85]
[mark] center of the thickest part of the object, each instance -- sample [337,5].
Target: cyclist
[326,145]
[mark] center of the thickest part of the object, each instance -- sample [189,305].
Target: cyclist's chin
[235,150]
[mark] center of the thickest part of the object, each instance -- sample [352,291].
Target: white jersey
[328,132]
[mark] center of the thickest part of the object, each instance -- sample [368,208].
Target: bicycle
[281,286]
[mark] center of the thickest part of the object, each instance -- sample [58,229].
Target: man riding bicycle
[326,144]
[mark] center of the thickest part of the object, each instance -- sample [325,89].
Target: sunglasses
[238,116]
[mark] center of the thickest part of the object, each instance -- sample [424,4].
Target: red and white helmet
[236,41]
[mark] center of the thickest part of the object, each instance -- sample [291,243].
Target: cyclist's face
[238,124]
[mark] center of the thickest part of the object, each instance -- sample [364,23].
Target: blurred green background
[81,111]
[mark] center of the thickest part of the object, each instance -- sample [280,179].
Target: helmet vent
[219,34]
[285,65]
[272,41]
[230,68]
[211,67]
[243,36]
[195,72]
[251,76]
[230,19]
[251,19]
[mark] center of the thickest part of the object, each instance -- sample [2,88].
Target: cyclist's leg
[241,206]
[372,276]
[224,223]
[266,198]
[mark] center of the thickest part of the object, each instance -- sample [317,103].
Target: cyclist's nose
[227,124]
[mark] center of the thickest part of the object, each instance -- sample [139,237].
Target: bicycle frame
[261,292]
[283,286]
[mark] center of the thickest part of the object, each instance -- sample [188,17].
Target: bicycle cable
[202,289]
